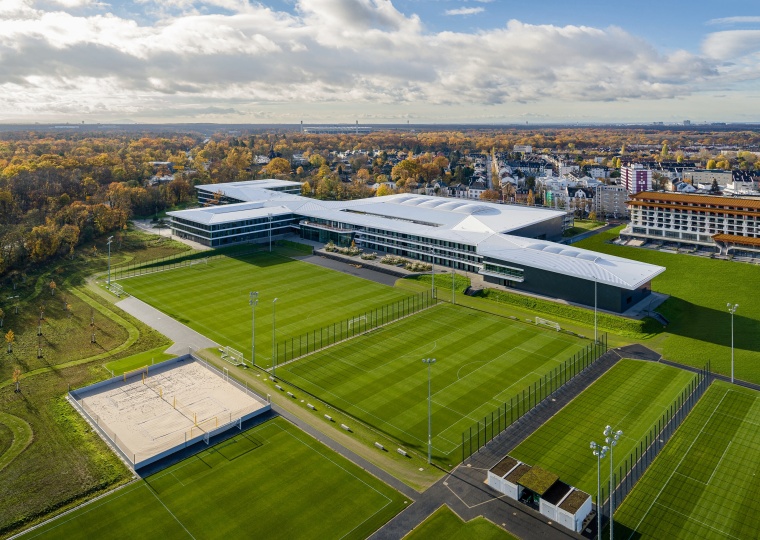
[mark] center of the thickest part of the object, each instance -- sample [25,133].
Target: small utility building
[542,490]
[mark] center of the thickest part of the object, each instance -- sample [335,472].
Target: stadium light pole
[611,437]
[110,238]
[732,310]
[599,452]
[429,362]
[274,356]
[253,299]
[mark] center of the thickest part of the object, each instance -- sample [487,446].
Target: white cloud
[465,11]
[331,55]
[735,20]
[731,44]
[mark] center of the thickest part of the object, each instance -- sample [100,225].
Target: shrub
[393,259]
[369,256]
[416,266]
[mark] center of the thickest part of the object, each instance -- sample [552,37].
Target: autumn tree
[52,286]
[489,195]
[278,167]
[531,198]
[383,190]
[10,337]
[17,379]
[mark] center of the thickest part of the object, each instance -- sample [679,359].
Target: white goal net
[547,322]
[233,356]
[358,321]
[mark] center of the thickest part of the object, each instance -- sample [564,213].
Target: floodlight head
[607,431]
[618,433]
[612,443]
[593,445]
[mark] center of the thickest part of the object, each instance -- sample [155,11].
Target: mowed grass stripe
[704,483]
[379,377]
[280,484]
[631,397]
[213,299]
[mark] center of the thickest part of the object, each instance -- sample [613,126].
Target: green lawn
[271,481]
[213,298]
[136,361]
[630,397]
[704,483]
[444,523]
[482,361]
[700,326]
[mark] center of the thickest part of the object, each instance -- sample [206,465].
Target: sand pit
[173,405]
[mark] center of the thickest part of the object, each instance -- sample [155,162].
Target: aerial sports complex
[510,246]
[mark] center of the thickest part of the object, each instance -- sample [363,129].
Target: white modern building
[512,246]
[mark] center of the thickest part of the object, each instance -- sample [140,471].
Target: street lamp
[732,310]
[599,452]
[253,299]
[274,356]
[270,232]
[429,362]
[110,238]
[453,300]
[432,272]
[596,332]
[611,438]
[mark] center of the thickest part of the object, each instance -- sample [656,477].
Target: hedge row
[612,323]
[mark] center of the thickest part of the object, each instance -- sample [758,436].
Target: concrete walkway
[183,336]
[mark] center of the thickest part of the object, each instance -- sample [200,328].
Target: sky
[379,61]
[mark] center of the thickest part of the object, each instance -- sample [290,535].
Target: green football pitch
[482,360]
[630,397]
[213,298]
[271,481]
[444,523]
[705,482]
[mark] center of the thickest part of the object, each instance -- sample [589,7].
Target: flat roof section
[504,466]
[538,480]
[556,492]
[521,470]
[574,501]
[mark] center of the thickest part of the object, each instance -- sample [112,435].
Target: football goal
[233,356]
[117,289]
[547,322]
[358,321]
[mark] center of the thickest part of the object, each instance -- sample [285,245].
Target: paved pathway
[182,336]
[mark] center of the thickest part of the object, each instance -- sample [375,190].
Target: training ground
[271,482]
[704,484]
[155,411]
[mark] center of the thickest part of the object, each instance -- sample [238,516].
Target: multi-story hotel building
[512,246]
[731,225]
[635,178]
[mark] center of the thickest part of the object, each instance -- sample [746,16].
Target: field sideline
[482,361]
[271,481]
[631,397]
[213,298]
[704,482]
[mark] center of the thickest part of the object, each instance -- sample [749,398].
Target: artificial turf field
[631,397]
[271,481]
[706,481]
[213,298]
[482,360]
